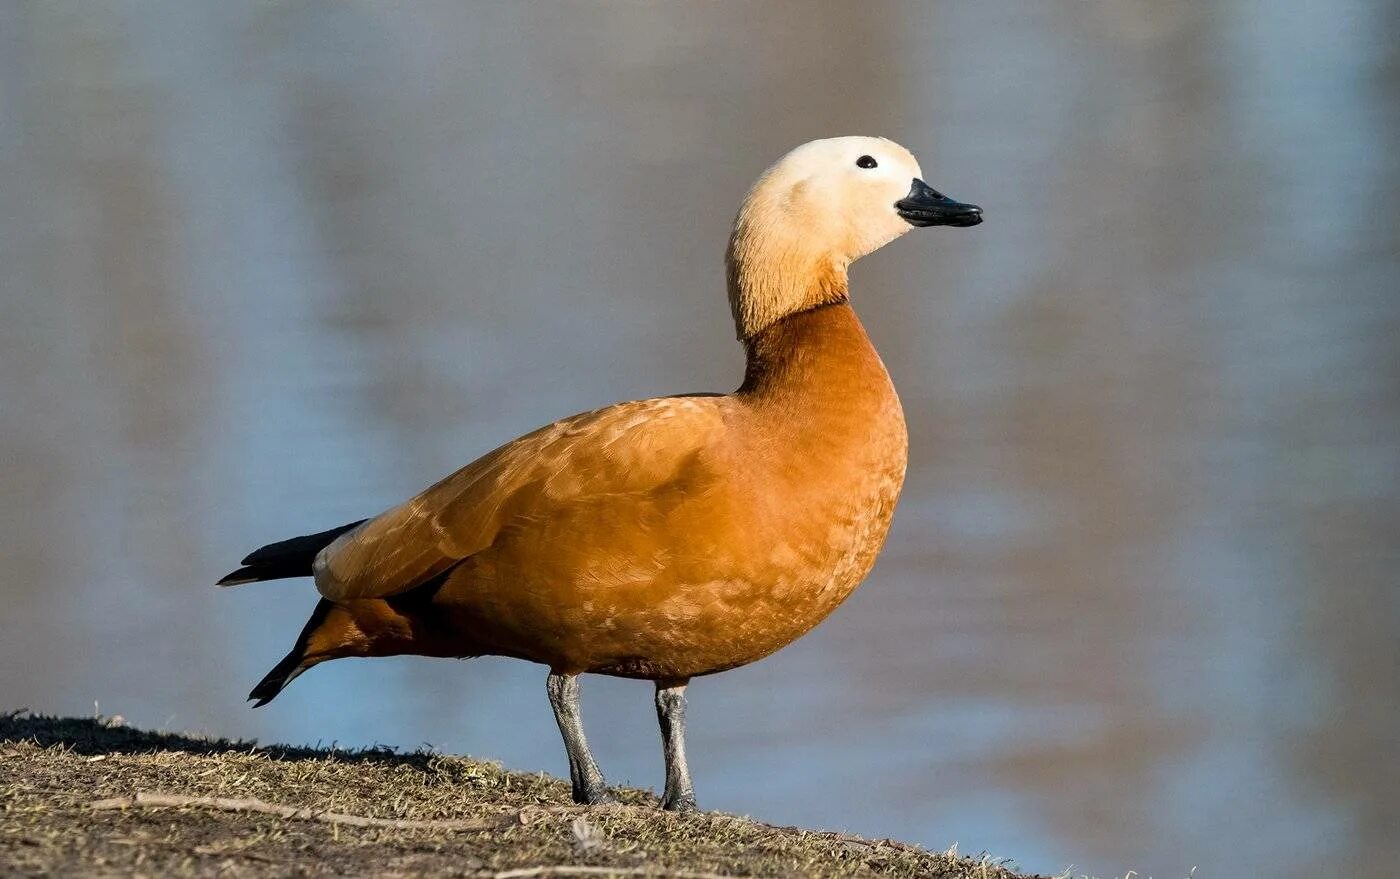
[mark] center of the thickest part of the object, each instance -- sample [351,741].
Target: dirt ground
[82,797]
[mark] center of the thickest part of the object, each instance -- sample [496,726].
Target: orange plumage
[669,538]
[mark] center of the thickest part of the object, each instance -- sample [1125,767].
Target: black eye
[866,162]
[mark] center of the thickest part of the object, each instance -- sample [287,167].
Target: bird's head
[817,210]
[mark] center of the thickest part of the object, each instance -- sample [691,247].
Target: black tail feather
[241,576]
[286,558]
[293,664]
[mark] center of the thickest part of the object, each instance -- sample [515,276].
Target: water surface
[267,268]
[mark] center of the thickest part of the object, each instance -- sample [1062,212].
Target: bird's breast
[761,533]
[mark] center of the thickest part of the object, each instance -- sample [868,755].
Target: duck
[663,539]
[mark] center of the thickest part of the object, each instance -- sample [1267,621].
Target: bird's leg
[670,711]
[589,787]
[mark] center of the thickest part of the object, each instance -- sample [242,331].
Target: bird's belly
[689,607]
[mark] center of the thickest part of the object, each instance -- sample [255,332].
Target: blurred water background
[269,267]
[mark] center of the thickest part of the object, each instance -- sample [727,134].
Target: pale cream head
[817,210]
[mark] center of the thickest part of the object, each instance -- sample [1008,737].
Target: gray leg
[670,711]
[589,787]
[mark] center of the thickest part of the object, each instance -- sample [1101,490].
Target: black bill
[926,206]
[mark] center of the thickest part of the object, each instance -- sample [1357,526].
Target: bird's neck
[774,270]
[821,401]
[817,357]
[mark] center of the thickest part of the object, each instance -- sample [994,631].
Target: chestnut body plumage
[669,538]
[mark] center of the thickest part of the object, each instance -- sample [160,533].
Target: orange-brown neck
[818,386]
[825,427]
[822,350]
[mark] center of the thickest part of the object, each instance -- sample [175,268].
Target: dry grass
[481,821]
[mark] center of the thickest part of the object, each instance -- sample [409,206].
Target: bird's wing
[627,450]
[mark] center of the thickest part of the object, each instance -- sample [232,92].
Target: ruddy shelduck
[660,539]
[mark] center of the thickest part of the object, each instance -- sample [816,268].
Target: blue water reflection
[267,268]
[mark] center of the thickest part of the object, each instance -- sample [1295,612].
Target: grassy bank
[88,796]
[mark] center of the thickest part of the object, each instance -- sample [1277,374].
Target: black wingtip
[282,674]
[294,663]
[272,684]
[268,688]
